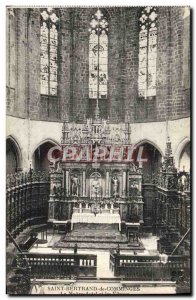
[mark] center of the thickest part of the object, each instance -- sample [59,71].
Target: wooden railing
[49,266]
[27,197]
[145,268]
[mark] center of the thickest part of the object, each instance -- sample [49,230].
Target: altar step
[96,236]
[96,239]
[97,245]
[95,233]
[95,226]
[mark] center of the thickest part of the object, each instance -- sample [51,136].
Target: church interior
[98,150]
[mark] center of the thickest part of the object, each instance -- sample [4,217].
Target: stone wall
[72,101]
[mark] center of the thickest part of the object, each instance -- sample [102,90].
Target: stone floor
[105,283]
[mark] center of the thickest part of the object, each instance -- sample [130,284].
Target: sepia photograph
[98,150]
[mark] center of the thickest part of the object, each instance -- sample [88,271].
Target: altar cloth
[98,219]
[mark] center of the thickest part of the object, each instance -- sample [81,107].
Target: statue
[135,210]
[75,183]
[115,182]
[134,189]
[58,166]
[95,188]
[184,180]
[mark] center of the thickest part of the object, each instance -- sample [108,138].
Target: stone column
[69,210]
[67,182]
[124,184]
[107,194]
[121,210]
[64,180]
[120,185]
[84,183]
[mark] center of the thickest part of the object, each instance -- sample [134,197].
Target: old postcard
[98,150]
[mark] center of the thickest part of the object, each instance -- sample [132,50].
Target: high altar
[89,188]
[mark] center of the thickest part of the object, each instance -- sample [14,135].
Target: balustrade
[49,266]
[147,268]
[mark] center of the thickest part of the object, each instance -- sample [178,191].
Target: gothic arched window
[98,56]
[49,47]
[11,57]
[147,52]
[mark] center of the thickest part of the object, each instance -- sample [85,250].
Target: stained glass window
[49,45]
[147,52]
[98,56]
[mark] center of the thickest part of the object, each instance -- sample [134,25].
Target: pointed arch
[40,154]
[47,140]
[179,150]
[149,158]
[146,141]
[13,155]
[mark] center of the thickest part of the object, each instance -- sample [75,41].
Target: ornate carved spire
[97,112]
[168,163]
[168,149]
[168,172]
